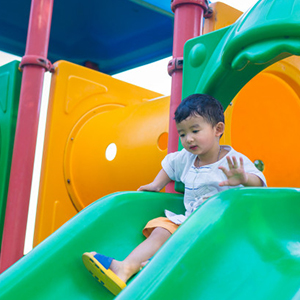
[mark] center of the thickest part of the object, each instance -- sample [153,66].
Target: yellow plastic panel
[133,133]
[89,110]
[263,122]
[223,15]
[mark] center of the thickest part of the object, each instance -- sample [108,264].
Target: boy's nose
[190,138]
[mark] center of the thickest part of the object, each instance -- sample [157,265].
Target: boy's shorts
[159,222]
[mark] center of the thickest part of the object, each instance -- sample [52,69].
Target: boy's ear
[220,127]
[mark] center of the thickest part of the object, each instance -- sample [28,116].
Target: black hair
[200,104]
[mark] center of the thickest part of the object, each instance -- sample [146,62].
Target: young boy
[205,168]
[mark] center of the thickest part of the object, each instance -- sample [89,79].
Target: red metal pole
[34,64]
[188,23]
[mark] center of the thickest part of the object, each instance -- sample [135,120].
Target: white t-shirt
[201,183]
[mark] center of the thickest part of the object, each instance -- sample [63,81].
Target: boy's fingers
[225,171]
[223,183]
[242,162]
[235,163]
[229,162]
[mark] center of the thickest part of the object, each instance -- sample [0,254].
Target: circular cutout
[111,152]
[259,164]
[82,140]
[162,141]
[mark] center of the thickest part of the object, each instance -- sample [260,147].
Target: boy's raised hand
[236,174]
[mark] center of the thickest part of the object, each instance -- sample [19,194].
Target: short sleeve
[177,164]
[250,168]
[169,165]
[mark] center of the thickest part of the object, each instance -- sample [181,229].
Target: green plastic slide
[240,244]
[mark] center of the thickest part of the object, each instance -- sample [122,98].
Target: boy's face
[198,136]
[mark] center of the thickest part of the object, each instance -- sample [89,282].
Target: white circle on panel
[111,151]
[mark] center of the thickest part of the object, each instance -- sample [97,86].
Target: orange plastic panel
[270,136]
[223,15]
[263,122]
[88,111]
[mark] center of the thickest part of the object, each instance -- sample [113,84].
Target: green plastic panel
[10,83]
[241,244]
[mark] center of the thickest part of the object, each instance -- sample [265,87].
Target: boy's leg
[132,263]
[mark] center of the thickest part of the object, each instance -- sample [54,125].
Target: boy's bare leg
[132,263]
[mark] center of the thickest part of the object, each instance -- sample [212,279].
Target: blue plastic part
[116,35]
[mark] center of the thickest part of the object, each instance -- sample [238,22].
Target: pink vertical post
[34,64]
[188,23]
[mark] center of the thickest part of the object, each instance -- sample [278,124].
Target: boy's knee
[161,232]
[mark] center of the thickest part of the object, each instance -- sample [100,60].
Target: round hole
[162,141]
[259,164]
[111,152]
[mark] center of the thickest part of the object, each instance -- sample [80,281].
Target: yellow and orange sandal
[98,265]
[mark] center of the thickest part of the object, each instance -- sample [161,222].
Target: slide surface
[240,244]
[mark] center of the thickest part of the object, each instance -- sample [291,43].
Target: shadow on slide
[240,244]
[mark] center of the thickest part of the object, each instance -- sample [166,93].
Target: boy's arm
[236,174]
[160,181]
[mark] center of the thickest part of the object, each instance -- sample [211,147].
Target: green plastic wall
[10,83]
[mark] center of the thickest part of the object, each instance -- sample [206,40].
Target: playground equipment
[35,62]
[247,239]
[58,205]
[234,247]
[270,96]
[222,62]
[95,111]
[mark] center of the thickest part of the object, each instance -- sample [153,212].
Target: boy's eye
[182,135]
[195,131]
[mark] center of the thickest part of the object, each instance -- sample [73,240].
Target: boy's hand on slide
[236,174]
[148,188]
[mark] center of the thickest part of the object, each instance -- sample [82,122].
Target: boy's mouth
[193,148]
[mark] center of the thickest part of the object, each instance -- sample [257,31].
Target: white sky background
[153,76]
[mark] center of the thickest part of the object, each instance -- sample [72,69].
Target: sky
[152,76]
